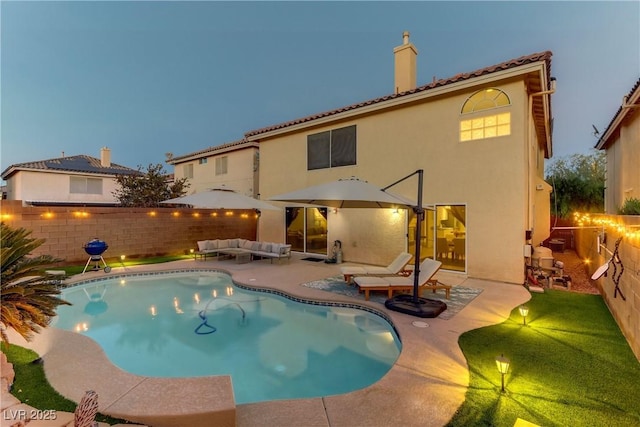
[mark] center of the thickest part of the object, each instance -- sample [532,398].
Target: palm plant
[29,294]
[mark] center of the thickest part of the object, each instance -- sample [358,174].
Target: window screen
[343,146]
[221,165]
[82,185]
[318,150]
[332,148]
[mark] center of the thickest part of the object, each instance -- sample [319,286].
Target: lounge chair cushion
[351,270]
[223,244]
[399,263]
[428,268]
[212,245]
[202,245]
[248,245]
[394,268]
[376,282]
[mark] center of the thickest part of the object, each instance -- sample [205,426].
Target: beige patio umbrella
[355,193]
[345,193]
[220,198]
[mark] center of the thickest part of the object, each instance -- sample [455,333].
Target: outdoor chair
[395,268]
[459,248]
[443,247]
[428,268]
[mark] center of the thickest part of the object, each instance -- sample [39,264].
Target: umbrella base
[420,307]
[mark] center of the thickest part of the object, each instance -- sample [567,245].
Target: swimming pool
[186,324]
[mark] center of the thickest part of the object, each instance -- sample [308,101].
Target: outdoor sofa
[255,249]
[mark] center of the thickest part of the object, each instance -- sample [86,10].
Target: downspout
[529,159]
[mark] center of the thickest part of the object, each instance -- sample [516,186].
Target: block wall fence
[133,232]
[626,312]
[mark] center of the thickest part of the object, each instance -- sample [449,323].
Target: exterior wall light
[524,311]
[502,364]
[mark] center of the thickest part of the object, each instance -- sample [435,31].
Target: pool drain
[420,324]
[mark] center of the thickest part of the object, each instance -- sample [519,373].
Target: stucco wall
[489,176]
[128,231]
[46,186]
[626,313]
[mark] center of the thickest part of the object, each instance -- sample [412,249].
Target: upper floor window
[332,148]
[221,165]
[202,161]
[485,126]
[485,100]
[188,170]
[83,185]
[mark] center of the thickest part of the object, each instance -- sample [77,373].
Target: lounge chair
[394,268]
[428,268]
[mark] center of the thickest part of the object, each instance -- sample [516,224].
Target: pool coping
[424,387]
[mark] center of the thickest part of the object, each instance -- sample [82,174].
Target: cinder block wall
[133,232]
[626,313]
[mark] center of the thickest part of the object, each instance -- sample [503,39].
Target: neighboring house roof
[72,164]
[212,151]
[513,63]
[631,101]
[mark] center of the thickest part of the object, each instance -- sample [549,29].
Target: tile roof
[616,120]
[513,63]
[81,163]
[230,146]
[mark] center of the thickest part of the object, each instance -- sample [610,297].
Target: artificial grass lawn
[570,366]
[115,262]
[31,386]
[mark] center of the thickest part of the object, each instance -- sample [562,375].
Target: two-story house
[233,165]
[480,137]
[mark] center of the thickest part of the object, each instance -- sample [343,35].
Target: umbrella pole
[414,305]
[419,218]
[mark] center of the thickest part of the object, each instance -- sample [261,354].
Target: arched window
[484,100]
[485,126]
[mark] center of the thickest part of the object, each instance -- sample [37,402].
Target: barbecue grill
[95,248]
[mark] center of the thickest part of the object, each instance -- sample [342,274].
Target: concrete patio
[424,388]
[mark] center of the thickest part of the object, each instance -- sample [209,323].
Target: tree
[29,295]
[148,188]
[578,183]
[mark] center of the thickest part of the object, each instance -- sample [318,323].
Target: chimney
[405,65]
[105,157]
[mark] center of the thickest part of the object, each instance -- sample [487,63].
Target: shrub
[631,206]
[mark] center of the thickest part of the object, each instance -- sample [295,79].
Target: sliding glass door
[307,229]
[451,236]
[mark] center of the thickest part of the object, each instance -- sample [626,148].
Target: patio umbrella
[346,193]
[220,198]
[354,193]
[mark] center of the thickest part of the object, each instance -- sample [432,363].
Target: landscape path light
[503,367]
[524,312]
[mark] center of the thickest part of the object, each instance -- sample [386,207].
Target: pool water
[198,324]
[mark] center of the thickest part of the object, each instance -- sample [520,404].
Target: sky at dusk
[148,78]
